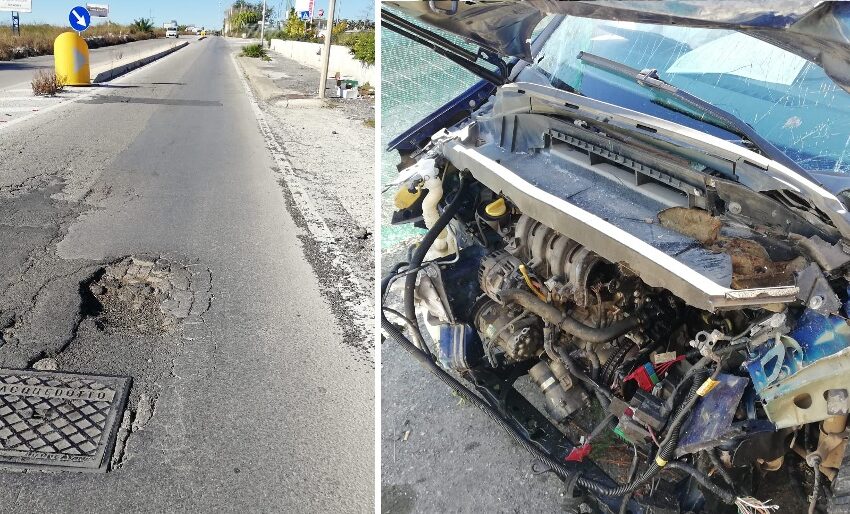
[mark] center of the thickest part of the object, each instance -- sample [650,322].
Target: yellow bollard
[71,58]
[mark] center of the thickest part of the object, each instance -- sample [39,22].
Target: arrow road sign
[79,18]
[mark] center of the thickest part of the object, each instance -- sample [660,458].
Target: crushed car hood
[818,32]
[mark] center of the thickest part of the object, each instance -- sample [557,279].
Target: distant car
[171,32]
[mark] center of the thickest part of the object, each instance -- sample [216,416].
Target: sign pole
[326,53]
[263,27]
[16,23]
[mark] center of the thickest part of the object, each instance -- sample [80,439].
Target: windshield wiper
[711,114]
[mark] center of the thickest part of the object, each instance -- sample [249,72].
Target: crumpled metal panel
[815,336]
[801,398]
[796,375]
[820,336]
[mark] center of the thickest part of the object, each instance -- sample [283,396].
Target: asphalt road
[263,406]
[20,71]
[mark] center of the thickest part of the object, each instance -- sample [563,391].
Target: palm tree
[142,25]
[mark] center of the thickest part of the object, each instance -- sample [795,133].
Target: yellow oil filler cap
[71,58]
[404,198]
[496,208]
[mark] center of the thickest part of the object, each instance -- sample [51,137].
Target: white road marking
[19,109]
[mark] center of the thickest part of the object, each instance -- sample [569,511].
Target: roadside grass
[38,39]
[255,50]
[47,83]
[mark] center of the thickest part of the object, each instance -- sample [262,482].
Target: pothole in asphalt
[146,295]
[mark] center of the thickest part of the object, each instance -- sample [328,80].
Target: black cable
[704,480]
[579,374]
[624,503]
[389,277]
[419,256]
[407,321]
[668,446]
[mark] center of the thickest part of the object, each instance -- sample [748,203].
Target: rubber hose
[419,256]
[385,282]
[704,480]
[567,323]
[600,391]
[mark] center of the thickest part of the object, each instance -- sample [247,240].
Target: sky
[206,13]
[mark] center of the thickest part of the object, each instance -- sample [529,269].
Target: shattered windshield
[786,99]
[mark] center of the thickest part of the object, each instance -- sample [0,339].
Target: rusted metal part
[695,223]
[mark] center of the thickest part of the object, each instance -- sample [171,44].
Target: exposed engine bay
[689,293]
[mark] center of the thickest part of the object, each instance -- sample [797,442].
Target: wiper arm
[725,120]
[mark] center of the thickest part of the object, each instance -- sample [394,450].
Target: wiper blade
[725,120]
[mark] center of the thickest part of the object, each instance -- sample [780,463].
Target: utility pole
[263,26]
[326,53]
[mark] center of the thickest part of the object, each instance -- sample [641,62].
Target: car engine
[724,372]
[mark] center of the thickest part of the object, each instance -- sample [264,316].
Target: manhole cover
[52,420]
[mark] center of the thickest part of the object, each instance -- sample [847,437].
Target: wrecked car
[642,209]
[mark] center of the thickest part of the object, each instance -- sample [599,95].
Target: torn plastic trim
[753,170]
[655,267]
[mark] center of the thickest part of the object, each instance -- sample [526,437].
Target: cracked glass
[786,99]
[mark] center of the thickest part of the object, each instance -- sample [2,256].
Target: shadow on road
[150,101]
[17,66]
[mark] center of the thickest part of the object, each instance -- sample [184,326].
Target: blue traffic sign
[79,18]
[304,15]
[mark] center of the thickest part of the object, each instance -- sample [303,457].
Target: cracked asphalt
[259,403]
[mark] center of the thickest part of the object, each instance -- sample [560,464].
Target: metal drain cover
[51,420]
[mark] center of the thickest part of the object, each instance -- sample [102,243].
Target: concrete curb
[117,71]
[266,90]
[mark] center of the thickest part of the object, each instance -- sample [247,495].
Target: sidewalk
[310,126]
